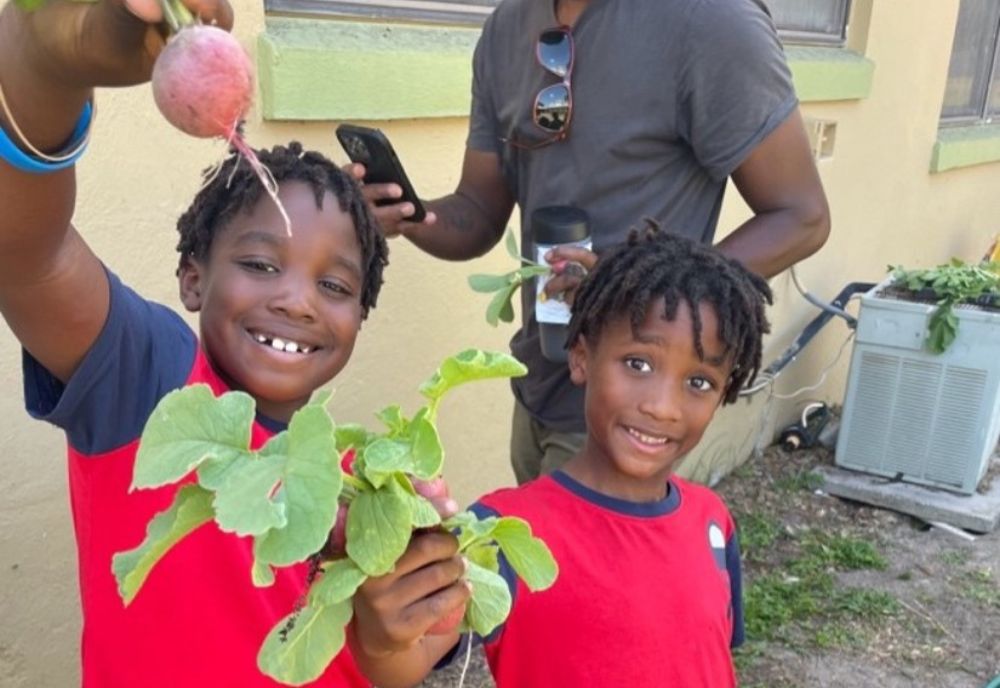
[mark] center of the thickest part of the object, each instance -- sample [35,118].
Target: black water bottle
[552,226]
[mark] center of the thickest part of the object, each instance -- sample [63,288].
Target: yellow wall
[139,174]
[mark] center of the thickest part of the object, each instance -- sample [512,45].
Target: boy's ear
[578,361]
[189,275]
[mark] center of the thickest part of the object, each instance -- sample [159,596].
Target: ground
[840,594]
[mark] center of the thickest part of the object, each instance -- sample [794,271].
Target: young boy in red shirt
[279,315]
[663,331]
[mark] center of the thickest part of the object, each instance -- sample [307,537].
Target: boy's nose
[294,300]
[662,401]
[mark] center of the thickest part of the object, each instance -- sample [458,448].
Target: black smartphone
[371,148]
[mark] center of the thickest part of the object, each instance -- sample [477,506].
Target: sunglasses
[553,107]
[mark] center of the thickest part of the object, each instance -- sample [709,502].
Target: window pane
[448,11]
[994,98]
[810,19]
[971,59]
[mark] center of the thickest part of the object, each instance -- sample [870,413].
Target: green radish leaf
[394,420]
[243,502]
[262,575]
[340,580]
[29,5]
[303,653]
[191,509]
[490,602]
[485,284]
[384,457]
[426,450]
[469,365]
[485,554]
[378,530]
[188,427]
[474,530]
[527,555]
[422,513]
[311,484]
[352,436]
[529,271]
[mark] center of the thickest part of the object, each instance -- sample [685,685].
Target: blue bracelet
[12,154]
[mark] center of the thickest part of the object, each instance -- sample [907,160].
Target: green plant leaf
[501,306]
[191,509]
[527,554]
[425,448]
[311,485]
[303,653]
[244,503]
[261,574]
[393,419]
[29,5]
[485,284]
[340,580]
[352,436]
[384,457]
[490,601]
[378,530]
[485,554]
[469,365]
[189,426]
[510,243]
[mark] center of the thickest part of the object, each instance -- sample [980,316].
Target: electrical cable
[822,305]
[823,375]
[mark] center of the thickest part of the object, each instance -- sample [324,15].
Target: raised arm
[780,183]
[53,289]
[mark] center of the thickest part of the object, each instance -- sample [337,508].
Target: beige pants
[535,450]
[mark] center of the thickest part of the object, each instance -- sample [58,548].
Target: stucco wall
[139,174]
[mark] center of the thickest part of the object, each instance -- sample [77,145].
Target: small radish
[203,83]
[449,622]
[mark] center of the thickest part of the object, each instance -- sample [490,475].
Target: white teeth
[647,439]
[279,344]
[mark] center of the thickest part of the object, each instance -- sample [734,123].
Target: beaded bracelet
[37,162]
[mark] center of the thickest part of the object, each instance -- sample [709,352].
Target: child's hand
[393,612]
[570,264]
[104,43]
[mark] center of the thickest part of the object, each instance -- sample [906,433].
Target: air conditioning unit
[926,418]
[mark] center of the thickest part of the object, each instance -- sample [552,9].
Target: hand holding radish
[104,43]
[426,590]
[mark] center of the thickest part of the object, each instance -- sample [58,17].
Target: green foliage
[952,283]
[286,497]
[503,287]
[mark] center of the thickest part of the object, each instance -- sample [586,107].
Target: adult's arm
[780,183]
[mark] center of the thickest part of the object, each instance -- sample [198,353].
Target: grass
[981,587]
[803,605]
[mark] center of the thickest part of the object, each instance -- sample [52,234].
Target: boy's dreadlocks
[653,265]
[235,188]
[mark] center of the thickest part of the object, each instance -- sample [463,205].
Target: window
[821,22]
[799,21]
[972,93]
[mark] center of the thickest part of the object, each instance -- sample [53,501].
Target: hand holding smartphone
[371,148]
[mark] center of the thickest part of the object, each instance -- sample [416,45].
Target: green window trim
[965,146]
[339,70]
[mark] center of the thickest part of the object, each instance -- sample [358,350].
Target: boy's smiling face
[649,398]
[279,315]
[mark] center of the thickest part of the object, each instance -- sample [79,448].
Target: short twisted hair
[651,265]
[234,187]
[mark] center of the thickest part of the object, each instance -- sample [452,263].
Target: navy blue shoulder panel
[736,589]
[143,351]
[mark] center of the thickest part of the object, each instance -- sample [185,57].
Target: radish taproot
[203,84]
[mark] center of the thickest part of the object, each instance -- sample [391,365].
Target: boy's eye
[258,265]
[335,288]
[638,365]
[702,384]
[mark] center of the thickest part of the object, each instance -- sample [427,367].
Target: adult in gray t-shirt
[669,99]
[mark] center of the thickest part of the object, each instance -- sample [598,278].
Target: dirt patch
[843,595]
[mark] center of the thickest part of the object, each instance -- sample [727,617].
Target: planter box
[909,414]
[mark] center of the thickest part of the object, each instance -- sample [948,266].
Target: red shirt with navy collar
[198,620]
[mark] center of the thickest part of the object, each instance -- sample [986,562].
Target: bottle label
[551,309]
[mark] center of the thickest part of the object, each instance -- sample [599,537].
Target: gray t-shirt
[669,98]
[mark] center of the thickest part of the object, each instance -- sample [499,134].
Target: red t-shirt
[198,619]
